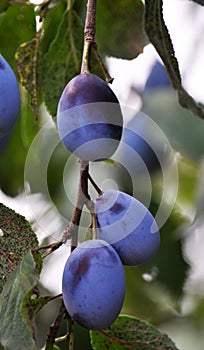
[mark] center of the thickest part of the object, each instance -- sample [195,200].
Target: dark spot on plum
[117,208]
[85,264]
[79,270]
[2,65]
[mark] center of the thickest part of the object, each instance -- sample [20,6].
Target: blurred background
[39,179]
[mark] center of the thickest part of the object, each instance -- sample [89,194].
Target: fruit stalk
[90,42]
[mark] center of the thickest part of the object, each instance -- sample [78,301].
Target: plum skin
[142,149]
[158,78]
[9,97]
[93,284]
[128,226]
[89,118]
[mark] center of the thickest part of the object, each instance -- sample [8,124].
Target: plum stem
[69,4]
[96,187]
[93,217]
[108,78]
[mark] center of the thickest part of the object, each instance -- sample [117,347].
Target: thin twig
[54,328]
[83,197]
[50,247]
[97,188]
[108,78]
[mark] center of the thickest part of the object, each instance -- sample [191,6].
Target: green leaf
[189,175]
[4,4]
[51,22]
[131,333]
[36,304]
[16,239]
[199,198]
[159,36]
[172,268]
[20,138]
[138,299]
[17,25]
[124,20]
[16,328]
[176,123]
[28,63]
[63,59]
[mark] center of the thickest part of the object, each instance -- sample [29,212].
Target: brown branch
[54,328]
[90,23]
[83,198]
[97,188]
[90,43]
[89,35]
[108,78]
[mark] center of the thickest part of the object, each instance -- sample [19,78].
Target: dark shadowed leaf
[19,139]
[4,4]
[63,59]
[176,122]
[16,239]
[200,2]
[17,25]
[16,328]
[133,334]
[159,36]
[172,268]
[124,20]
[51,22]
[28,63]
[34,305]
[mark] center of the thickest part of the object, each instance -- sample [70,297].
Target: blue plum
[143,147]
[9,97]
[93,284]
[128,226]
[158,78]
[89,118]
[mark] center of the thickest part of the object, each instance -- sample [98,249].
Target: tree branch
[54,328]
[82,199]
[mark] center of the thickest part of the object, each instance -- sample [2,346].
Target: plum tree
[89,118]
[127,225]
[93,284]
[9,97]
